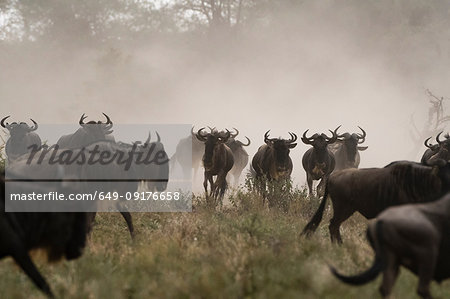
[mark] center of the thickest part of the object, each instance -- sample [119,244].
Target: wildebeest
[415,236]
[346,150]
[112,175]
[429,152]
[369,191]
[272,162]
[59,234]
[155,176]
[318,161]
[195,147]
[441,150]
[217,161]
[21,137]
[240,155]
[89,132]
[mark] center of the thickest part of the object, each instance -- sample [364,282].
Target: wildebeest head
[212,140]
[97,128]
[18,129]
[320,141]
[351,141]
[281,148]
[441,151]
[235,144]
[22,137]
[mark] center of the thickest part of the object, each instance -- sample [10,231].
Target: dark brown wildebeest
[240,155]
[192,145]
[21,137]
[59,234]
[318,161]
[369,191]
[430,151]
[438,151]
[272,162]
[415,236]
[346,150]
[89,132]
[217,161]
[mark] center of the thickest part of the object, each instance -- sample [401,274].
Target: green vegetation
[243,250]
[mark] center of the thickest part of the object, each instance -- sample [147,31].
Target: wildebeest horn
[307,140]
[293,137]
[192,131]
[108,120]
[266,137]
[2,123]
[437,138]
[235,134]
[82,118]
[108,124]
[248,140]
[200,136]
[226,136]
[429,145]
[157,135]
[148,138]
[35,126]
[363,136]
[211,129]
[333,138]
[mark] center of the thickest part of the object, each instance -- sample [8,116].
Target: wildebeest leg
[205,184]
[20,255]
[340,214]
[321,186]
[310,181]
[390,274]
[426,265]
[129,220]
[221,186]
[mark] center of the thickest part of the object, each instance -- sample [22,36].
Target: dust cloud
[315,65]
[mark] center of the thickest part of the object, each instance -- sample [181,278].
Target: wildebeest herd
[408,199]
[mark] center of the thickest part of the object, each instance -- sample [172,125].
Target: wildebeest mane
[414,180]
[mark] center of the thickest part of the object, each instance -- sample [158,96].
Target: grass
[242,251]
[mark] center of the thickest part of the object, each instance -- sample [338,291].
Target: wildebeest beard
[84,156]
[281,156]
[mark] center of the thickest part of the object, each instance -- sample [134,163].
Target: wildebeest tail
[377,266]
[314,222]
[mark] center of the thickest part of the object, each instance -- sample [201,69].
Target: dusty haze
[311,66]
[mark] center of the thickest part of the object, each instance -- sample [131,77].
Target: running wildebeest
[217,161]
[346,150]
[272,162]
[59,234]
[369,191]
[318,161]
[415,236]
[429,152]
[21,137]
[89,132]
[438,151]
[192,145]
[240,155]
[112,174]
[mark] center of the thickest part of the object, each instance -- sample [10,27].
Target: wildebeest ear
[362,148]
[292,145]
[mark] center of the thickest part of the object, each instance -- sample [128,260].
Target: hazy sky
[314,71]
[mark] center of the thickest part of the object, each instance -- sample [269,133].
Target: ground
[241,250]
